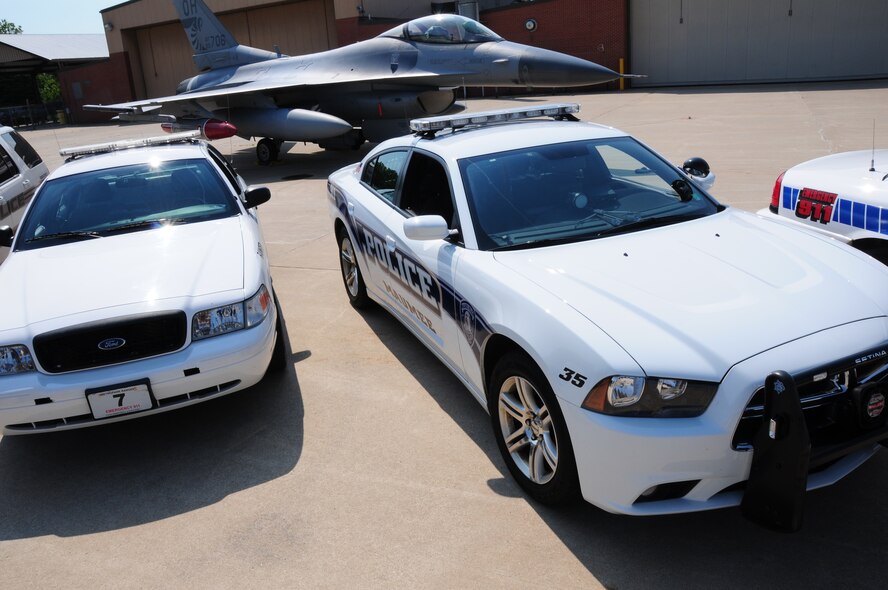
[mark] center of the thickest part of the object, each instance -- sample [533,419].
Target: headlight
[232,317]
[652,397]
[15,359]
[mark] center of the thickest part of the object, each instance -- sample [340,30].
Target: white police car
[137,283]
[21,172]
[844,196]
[615,320]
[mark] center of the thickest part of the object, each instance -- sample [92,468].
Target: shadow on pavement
[842,544]
[125,474]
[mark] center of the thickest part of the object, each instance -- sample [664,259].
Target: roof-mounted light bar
[126,144]
[433,124]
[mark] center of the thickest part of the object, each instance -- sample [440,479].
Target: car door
[415,277]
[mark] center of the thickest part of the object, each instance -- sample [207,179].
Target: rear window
[28,154]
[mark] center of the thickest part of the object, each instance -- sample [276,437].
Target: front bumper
[624,464]
[39,402]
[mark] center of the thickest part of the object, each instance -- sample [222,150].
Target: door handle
[390,243]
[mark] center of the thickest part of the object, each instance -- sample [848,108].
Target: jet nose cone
[543,68]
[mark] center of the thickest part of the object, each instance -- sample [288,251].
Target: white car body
[843,195]
[95,286]
[725,299]
[21,172]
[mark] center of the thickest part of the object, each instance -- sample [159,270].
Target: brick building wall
[101,83]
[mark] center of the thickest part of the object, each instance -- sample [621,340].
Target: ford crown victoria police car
[137,283]
[842,195]
[616,321]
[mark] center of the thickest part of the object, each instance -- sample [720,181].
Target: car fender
[571,351]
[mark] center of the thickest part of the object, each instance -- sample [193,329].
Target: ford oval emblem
[111,343]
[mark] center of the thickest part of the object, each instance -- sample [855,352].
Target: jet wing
[180,102]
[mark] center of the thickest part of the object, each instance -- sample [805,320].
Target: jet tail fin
[205,32]
[214,46]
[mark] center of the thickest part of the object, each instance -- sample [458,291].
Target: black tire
[524,411]
[267,151]
[352,277]
[279,355]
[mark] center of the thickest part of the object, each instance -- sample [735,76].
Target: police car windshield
[575,191]
[447,29]
[125,199]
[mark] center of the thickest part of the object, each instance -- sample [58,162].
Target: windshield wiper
[649,222]
[63,235]
[144,223]
[610,218]
[540,243]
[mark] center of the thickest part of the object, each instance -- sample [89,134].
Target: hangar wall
[740,41]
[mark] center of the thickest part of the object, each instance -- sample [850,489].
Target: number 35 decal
[573,377]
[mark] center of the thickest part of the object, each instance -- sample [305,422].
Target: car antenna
[873,160]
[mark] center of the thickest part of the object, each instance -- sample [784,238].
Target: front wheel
[352,277]
[531,432]
[267,151]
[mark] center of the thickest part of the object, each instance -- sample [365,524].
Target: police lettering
[408,272]
[815,205]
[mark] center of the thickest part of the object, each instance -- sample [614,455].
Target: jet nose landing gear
[268,150]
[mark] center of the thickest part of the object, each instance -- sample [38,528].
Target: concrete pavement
[368,465]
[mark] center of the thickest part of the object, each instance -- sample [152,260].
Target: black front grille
[110,342]
[831,413]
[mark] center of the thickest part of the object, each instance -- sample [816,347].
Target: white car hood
[140,267]
[700,296]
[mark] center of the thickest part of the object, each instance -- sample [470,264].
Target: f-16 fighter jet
[339,98]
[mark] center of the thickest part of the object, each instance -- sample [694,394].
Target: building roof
[30,53]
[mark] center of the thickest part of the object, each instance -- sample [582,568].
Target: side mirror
[426,227]
[255,196]
[698,169]
[5,236]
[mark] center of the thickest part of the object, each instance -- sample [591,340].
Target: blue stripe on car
[846,212]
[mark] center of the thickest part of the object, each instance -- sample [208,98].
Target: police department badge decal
[467,321]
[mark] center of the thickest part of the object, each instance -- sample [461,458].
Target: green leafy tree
[8,28]
[48,87]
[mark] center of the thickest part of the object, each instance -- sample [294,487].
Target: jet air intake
[288,124]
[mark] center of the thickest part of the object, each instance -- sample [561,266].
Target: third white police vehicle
[843,195]
[138,282]
[617,322]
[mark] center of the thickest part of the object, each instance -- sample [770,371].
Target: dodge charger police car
[137,282]
[633,340]
[844,196]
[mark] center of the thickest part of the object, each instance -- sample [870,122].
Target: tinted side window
[8,169]
[229,172]
[382,173]
[25,151]
[426,188]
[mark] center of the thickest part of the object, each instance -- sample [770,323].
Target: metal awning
[24,54]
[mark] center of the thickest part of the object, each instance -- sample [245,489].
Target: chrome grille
[126,339]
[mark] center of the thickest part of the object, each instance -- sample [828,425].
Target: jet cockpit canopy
[449,29]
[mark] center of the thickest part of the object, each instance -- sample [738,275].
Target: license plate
[118,400]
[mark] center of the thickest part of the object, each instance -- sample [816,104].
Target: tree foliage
[49,88]
[8,28]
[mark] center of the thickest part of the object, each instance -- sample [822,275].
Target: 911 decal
[574,378]
[815,205]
